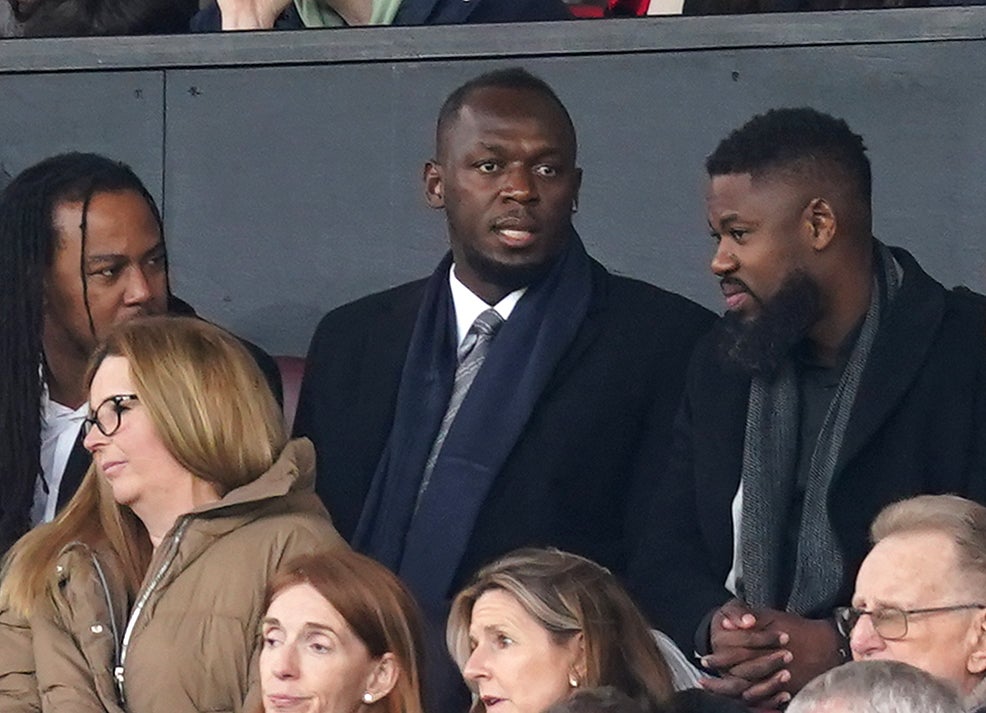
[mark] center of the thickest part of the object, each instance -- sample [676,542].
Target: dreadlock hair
[28,240]
[509,78]
[801,141]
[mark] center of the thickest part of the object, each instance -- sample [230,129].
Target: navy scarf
[425,547]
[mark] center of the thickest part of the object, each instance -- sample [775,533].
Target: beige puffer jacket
[191,640]
[62,658]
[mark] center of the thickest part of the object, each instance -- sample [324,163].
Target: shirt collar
[468,305]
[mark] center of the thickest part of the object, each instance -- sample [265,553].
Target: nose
[138,289]
[864,641]
[724,261]
[94,439]
[476,668]
[519,185]
[285,662]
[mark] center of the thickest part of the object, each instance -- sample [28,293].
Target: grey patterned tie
[471,355]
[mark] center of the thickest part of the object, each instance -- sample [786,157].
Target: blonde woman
[537,624]
[147,591]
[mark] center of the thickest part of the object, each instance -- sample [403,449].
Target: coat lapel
[899,352]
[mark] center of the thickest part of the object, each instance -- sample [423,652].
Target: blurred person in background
[875,687]
[297,14]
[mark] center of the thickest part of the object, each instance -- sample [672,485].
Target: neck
[65,373]
[846,303]
[354,12]
[159,517]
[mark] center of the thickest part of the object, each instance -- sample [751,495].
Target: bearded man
[841,378]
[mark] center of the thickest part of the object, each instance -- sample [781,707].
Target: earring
[573,681]
[368,697]
[575,206]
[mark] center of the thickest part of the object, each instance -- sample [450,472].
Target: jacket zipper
[118,671]
[109,606]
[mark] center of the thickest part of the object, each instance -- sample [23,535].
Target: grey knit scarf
[770,453]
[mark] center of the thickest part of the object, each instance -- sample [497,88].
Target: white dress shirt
[468,305]
[59,429]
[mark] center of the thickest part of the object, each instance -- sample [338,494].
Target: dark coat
[918,426]
[423,12]
[577,477]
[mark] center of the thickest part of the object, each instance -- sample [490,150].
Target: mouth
[735,292]
[110,466]
[516,232]
[284,702]
[490,701]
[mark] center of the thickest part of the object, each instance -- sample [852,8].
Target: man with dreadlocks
[81,249]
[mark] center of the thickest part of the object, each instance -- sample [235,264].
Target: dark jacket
[423,12]
[577,477]
[918,426]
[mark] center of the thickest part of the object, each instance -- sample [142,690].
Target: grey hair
[876,687]
[962,521]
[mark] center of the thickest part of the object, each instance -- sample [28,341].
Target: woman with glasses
[921,592]
[147,591]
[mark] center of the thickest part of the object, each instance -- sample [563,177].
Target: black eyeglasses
[890,622]
[107,415]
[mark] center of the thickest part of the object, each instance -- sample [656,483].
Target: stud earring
[575,206]
[368,697]
[573,681]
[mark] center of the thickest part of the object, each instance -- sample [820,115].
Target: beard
[758,346]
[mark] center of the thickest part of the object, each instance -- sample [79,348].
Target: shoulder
[640,300]
[297,519]
[395,303]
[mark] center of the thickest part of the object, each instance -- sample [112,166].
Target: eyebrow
[308,626]
[109,257]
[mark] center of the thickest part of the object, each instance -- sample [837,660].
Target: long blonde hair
[214,412]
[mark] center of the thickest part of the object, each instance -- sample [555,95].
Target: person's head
[71,18]
[173,399]
[929,553]
[536,624]
[341,634]
[875,687]
[505,174]
[81,249]
[605,699]
[788,202]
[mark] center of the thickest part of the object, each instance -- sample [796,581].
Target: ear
[382,678]
[579,666]
[820,218]
[575,190]
[434,184]
[976,662]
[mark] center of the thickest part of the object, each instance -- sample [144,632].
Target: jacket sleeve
[18,680]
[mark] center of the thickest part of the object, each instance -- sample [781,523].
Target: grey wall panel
[120,114]
[295,189]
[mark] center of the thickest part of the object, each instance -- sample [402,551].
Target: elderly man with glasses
[921,592]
